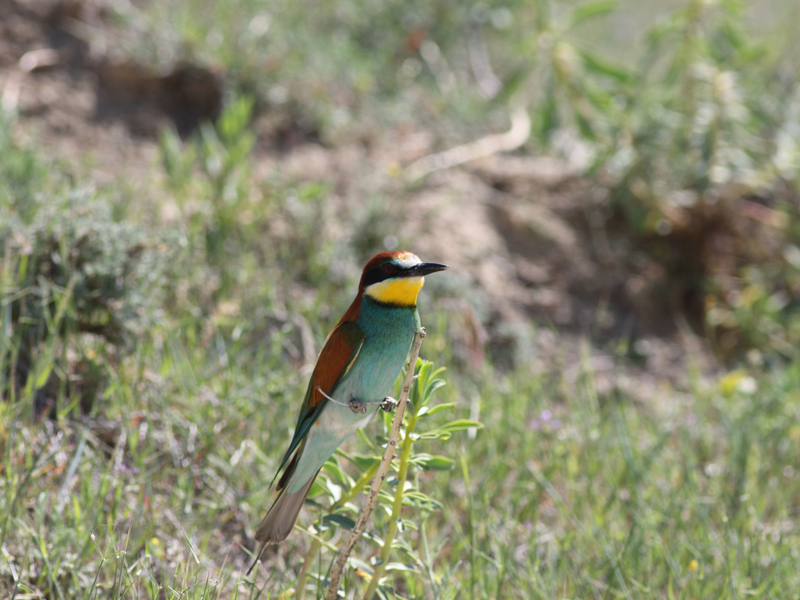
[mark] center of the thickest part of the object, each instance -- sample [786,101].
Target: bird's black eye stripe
[382,273]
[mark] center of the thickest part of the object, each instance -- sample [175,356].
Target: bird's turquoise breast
[388,333]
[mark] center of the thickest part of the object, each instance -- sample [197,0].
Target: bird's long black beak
[425,269]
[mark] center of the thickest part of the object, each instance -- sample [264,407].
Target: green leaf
[585,127]
[425,367]
[461,425]
[337,519]
[423,374]
[369,535]
[406,525]
[420,500]
[433,463]
[312,191]
[44,375]
[22,267]
[548,113]
[428,411]
[591,10]
[437,434]
[334,489]
[366,439]
[402,546]
[599,98]
[360,564]
[438,371]
[364,462]
[317,488]
[401,567]
[511,85]
[604,67]
[431,388]
[334,470]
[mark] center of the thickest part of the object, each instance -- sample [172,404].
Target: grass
[591,496]
[153,489]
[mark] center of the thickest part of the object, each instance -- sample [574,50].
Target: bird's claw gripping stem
[357,406]
[388,404]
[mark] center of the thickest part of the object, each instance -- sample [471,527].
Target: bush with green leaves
[704,171]
[697,149]
[79,286]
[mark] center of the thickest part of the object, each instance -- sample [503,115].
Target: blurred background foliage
[153,347]
[693,136]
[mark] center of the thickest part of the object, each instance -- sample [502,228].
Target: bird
[355,371]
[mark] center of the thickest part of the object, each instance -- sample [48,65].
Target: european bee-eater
[354,373]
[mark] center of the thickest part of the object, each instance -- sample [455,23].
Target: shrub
[78,286]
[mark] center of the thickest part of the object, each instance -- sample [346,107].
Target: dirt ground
[526,233]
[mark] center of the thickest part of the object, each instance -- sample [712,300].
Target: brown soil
[88,107]
[524,235]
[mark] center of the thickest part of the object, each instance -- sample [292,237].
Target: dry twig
[383,469]
[491,144]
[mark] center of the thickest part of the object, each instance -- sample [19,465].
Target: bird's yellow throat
[397,292]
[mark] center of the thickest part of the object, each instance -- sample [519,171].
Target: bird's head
[395,278]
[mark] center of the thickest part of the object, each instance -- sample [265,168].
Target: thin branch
[515,137]
[383,469]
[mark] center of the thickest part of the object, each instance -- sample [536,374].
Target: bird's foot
[357,406]
[388,404]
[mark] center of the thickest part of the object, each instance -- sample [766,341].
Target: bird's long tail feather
[280,519]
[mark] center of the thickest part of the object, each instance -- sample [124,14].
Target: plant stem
[300,588]
[397,506]
[471,524]
[383,469]
[316,543]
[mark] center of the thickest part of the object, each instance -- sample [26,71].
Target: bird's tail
[280,519]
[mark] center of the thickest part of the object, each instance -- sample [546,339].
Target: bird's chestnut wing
[338,355]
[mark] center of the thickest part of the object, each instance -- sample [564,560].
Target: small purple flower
[545,419]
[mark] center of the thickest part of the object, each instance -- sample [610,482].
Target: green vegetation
[150,373]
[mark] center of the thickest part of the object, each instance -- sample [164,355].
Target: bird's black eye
[389,269]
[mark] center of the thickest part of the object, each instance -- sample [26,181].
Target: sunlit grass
[584,496]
